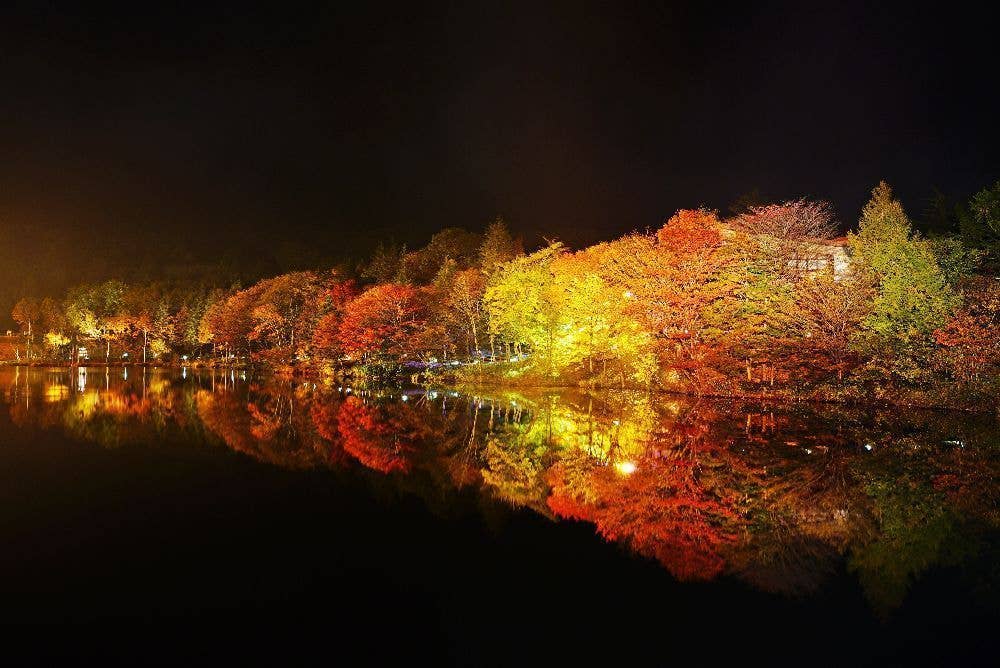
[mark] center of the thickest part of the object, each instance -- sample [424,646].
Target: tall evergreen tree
[979,223]
[913,296]
[498,247]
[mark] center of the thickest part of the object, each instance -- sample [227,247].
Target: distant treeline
[763,301]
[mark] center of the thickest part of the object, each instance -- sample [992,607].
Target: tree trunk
[590,356]
[552,363]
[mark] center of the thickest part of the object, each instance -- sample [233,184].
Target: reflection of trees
[916,531]
[931,498]
[777,497]
[111,410]
[515,471]
[268,423]
[382,437]
[669,511]
[387,435]
[678,501]
[114,417]
[535,434]
[324,411]
[805,508]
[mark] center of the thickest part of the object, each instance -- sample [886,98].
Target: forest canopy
[765,300]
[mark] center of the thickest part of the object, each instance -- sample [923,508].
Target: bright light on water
[625,468]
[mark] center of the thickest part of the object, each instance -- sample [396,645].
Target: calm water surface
[151,516]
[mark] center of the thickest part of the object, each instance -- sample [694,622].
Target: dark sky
[135,140]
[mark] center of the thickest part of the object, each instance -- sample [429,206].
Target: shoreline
[315,373]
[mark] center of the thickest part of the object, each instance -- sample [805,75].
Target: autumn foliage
[376,437]
[385,320]
[779,496]
[690,231]
[970,342]
[762,303]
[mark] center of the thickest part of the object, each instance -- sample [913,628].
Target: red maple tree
[384,321]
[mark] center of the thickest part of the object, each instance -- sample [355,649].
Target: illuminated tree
[831,313]
[52,315]
[384,323]
[714,299]
[684,274]
[56,341]
[326,334]
[464,306]
[208,323]
[229,323]
[525,302]
[284,311]
[96,312]
[679,285]
[756,321]
[774,243]
[275,319]
[970,341]
[143,308]
[697,306]
[26,313]
[326,337]
[163,329]
[602,337]
[913,298]
[793,220]
[115,329]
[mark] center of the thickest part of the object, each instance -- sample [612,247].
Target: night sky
[140,142]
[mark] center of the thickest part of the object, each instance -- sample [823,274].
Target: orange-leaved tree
[384,323]
[326,335]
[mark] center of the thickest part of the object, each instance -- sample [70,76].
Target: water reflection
[779,497]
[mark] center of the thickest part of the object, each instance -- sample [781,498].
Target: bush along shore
[767,303]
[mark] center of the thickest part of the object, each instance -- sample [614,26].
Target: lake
[152,516]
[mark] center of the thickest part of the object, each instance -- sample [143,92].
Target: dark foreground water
[206,518]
